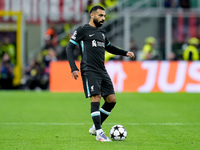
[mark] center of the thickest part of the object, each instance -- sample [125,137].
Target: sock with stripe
[95,113]
[106,110]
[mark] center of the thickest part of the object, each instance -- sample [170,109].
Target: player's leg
[107,107]
[92,89]
[105,110]
[109,96]
[95,113]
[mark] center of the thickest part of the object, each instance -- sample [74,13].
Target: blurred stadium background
[163,34]
[35,32]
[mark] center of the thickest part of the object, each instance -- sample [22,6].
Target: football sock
[95,113]
[105,110]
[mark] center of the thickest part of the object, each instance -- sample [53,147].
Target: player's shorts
[97,84]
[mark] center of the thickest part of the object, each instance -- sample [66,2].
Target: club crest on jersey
[92,88]
[94,43]
[99,44]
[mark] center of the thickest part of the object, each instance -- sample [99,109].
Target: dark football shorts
[97,84]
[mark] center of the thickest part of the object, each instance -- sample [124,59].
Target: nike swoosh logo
[90,35]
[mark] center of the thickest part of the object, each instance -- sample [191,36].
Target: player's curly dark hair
[95,8]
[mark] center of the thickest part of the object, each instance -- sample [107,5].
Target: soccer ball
[118,133]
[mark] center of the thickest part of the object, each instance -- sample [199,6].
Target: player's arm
[75,39]
[114,50]
[70,56]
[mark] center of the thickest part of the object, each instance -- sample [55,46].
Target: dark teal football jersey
[92,42]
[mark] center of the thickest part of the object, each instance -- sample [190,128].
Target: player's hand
[75,74]
[130,54]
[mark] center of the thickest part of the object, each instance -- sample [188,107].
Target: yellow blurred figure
[111,3]
[89,5]
[108,56]
[191,51]
[148,51]
[107,3]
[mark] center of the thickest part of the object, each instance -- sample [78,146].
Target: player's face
[99,17]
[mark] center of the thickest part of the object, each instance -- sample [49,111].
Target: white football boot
[92,130]
[102,138]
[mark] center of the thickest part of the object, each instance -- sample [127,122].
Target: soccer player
[96,81]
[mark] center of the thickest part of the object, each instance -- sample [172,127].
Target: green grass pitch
[60,121]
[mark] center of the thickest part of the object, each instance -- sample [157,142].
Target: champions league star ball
[118,133]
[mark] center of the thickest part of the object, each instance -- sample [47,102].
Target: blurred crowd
[177,3]
[36,72]
[189,52]
[7,62]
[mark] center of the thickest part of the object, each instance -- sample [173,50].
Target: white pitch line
[131,124]
[164,124]
[59,124]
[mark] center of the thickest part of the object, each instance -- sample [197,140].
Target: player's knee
[113,101]
[95,98]
[110,99]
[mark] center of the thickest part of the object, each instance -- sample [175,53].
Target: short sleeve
[77,36]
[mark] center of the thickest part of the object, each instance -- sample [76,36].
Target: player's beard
[97,23]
